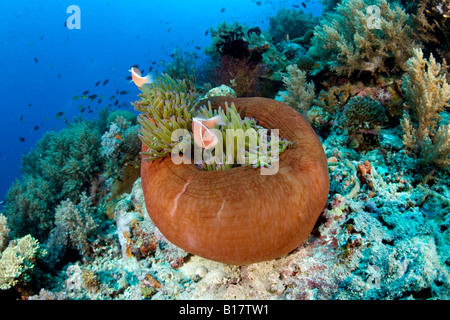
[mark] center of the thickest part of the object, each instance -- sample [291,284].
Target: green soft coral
[61,166]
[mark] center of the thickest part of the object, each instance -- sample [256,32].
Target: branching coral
[76,223]
[300,93]
[18,260]
[427,93]
[431,18]
[358,40]
[165,106]
[335,98]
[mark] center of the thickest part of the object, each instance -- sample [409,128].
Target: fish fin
[220,120]
[149,78]
[214,121]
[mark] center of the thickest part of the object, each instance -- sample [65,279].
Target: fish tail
[219,120]
[149,79]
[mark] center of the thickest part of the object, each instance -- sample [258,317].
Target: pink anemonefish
[138,79]
[204,137]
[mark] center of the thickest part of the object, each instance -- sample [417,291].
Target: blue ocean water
[44,64]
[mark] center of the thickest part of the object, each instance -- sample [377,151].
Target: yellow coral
[427,93]
[17,260]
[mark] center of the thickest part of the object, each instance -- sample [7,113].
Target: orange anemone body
[239,216]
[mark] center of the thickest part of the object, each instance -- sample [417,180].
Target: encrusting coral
[427,93]
[356,40]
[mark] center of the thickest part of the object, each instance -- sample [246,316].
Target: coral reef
[300,93]
[291,24]
[432,23]
[383,235]
[4,232]
[17,262]
[242,59]
[363,248]
[427,93]
[359,207]
[61,166]
[355,42]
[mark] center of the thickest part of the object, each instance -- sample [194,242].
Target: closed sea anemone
[235,216]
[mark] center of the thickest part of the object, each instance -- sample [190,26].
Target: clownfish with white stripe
[203,136]
[138,79]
